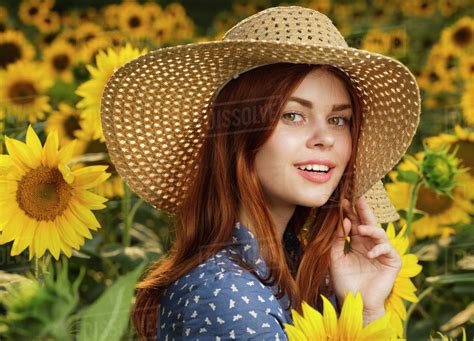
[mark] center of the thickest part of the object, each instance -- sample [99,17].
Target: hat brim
[153,109]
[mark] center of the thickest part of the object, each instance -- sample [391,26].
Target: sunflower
[439,210]
[463,139]
[45,205]
[2,127]
[436,79]
[112,187]
[88,51]
[403,287]
[316,326]
[14,47]
[49,23]
[88,31]
[466,68]
[60,58]
[445,60]
[377,41]
[110,14]
[418,8]
[133,20]
[398,42]
[153,10]
[91,91]
[467,103]
[162,30]
[459,36]
[67,122]
[448,7]
[30,10]
[22,88]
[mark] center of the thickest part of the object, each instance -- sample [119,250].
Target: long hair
[241,118]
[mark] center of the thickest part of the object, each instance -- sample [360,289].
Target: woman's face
[312,126]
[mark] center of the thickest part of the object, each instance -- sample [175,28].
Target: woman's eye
[342,120]
[291,116]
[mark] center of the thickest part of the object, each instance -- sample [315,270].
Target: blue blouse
[219,300]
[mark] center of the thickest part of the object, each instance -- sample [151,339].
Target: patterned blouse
[219,300]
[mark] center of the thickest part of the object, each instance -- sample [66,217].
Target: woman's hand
[372,264]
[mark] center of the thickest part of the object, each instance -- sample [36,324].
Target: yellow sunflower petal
[397,307]
[67,250]
[33,141]
[379,329]
[89,177]
[6,164]
[25,237]
[66,172]
[20,154]
[84,214]
[329,318]
[40,240]
[77,224]
[67,233]
[311,324]
[294,334]
[406,289]
[350,320]
[66,153]
[89,199]
[54,242]
[410,266]
[50,150]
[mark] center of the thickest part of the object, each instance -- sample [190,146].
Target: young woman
[267,173]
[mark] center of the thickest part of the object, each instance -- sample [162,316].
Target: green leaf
[416,215]
[408,176]
[108,317]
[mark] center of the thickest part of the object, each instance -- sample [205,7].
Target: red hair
[241,118]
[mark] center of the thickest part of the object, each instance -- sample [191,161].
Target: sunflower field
[74,239]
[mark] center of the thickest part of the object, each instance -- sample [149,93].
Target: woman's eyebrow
[309,104]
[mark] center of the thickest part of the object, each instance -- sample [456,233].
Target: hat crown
[293,24]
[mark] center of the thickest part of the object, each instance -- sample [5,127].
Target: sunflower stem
[413,306]
[411,206]
[125,213]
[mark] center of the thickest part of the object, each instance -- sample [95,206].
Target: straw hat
[153,108]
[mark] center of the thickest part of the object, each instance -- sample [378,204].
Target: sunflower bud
[439,170]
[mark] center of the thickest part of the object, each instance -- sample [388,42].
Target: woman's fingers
[388,250]
[376,233]
[366,215]
[346,205]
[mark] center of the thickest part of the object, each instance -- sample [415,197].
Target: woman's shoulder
[220,298]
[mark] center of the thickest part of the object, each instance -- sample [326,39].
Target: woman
[262,170]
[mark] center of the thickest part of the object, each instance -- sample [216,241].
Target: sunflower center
[10,54]
[61,62]
[71,124]
[134,22]
[22,92]
[43,194]
[462,36]
[32,11]
[396,42]
[428,202]
[433,76]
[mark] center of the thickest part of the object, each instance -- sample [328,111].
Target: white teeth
[314,167]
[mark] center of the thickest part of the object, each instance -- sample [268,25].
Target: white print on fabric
[218,300]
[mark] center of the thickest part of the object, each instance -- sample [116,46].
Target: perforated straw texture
[153,108]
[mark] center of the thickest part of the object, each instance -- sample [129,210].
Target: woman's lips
[316,176]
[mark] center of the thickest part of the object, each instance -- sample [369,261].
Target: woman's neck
[280,218]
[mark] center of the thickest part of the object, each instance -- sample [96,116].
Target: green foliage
[108,317]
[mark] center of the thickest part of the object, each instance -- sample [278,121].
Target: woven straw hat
[153,108]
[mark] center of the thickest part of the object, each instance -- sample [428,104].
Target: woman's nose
[321,136]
